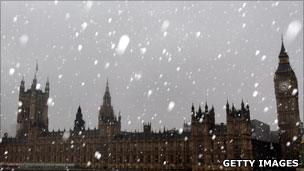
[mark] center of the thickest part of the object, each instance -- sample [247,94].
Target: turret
[192,109]
[242,105]
[227,107]
[34,83]
[147,128]
[79,123]
[233,108]
[47,86]
[206,107]
[22,86]
[107,96]
[199,112]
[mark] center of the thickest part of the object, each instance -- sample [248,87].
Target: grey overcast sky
[160,57]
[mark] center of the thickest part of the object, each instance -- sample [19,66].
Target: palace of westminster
[202,146]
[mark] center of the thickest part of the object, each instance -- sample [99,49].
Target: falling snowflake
[294,92]
[96,62]
[67,16]
[107,65]
[38,86]
[15,19]
[198,34]
[66,135]
[79,47]
[266,109]
[123,44]
[263,58]
[293,29]
[50,102]
[97,155]
[88,5]
[84,25]
[23,39]
[143,50]
[255,93]
[165,25]
[180,130]
[257,52]
[171,106]
[12,71]
[149,93]
[137,76]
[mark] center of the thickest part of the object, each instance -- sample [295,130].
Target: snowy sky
[159,57]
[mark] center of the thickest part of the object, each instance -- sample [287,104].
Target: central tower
[32,117]
[108,123]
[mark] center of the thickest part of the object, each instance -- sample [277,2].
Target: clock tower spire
[286,92]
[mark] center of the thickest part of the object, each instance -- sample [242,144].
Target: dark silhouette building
[200,146]
[286,92]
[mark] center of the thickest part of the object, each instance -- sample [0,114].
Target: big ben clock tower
[286,91]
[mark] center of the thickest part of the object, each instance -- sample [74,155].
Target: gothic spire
[283,56]
[227,106]
[22,81]
[284,65]
[233,108]
[36,66]
[47,85]
[192,108]
[107,86]
[107,96]
[199,110]
[243,105]
[36,71]
[79,109]
[282,46]
[35,77]
[22,84]
[206,107]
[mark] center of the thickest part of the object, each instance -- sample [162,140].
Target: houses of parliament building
[201,146]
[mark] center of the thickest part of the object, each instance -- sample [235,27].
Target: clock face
[284,86]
